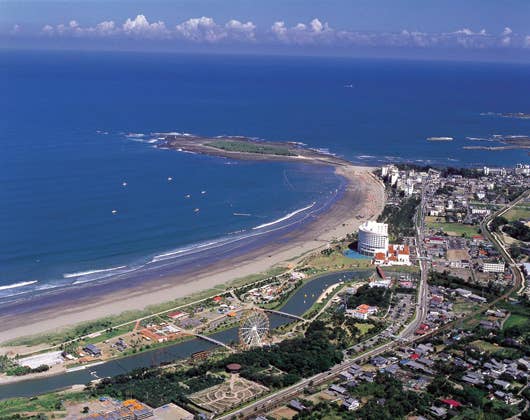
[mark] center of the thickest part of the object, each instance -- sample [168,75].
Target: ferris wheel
[253,329]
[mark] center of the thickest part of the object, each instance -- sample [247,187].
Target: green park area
[249,147]
[515,320]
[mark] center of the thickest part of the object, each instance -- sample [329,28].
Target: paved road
[421,305]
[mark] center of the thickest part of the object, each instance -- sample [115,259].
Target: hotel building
[373,238]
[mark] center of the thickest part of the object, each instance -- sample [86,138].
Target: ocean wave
[235,237]
[134,135]
[20,284]
[180,251]
[173,133]
[322,150]
[86,273]
[186,151]
[286,217]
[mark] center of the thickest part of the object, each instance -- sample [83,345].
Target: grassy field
[48,403]
[465,307]
[451,229]
[520,211]
[484,346]
[247,147]
[364,328]
[337,261]
[514,319]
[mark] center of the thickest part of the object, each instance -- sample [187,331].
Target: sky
[496,30]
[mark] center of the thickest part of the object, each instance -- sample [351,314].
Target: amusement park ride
[253,329]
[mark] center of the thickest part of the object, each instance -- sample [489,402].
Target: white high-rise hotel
[373,238]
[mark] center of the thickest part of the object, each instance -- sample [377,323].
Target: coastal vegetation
[516,229]
[445,171]
[386,399]
[112,326]
[250,147]
[11,368]
[155,387]
[52,404]
[445,279]
[291,359]
[400,218]
[373,296]
[275,367]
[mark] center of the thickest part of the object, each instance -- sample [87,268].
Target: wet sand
[363,196]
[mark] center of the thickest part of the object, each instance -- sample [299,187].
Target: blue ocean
[86,196]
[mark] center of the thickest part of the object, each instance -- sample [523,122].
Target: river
[299,303]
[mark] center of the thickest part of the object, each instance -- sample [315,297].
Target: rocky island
[505,143]
[247,148]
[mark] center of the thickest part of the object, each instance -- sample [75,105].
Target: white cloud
[240,30]
[506,38]
[200,29]
[469,32]
[301,33]
[205,29]
[318,27]
[140,26]
[314,33]
[279,30]
[47,29]
[107,27]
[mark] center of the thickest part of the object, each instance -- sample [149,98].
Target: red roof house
[452,403]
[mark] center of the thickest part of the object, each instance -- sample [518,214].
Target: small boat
[349,86]
[124,183]
[188,196]
[440,139]
[197,210]
[169,178]
[114,211]
[203,192]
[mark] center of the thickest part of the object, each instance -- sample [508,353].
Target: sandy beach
[362,200]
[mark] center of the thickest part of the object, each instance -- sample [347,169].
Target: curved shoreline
[363,196]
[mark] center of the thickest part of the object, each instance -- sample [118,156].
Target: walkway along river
[299,303]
